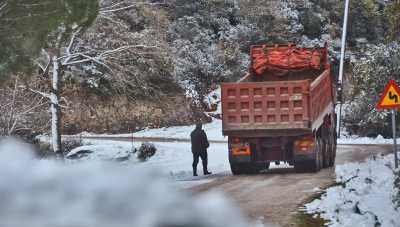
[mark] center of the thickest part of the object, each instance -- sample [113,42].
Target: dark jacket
[199,141]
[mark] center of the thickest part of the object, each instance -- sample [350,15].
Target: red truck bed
[282,110]
[294,103]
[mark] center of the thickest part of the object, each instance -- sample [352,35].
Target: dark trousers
[204,160]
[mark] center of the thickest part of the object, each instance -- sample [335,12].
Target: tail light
[235,140]
[305,144]
[239,147]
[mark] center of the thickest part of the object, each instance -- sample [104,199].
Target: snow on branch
[71,43]
[19,109]
[43,94]
[123,48]
[78,58]
[118,6]
[3,5]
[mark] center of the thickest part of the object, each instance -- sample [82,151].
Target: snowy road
[275,195]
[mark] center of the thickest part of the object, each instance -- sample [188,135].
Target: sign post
[390,99]
[396,160]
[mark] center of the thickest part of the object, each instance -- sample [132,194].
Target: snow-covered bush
[209,44]
[71,143]
[146,151]
[370,74]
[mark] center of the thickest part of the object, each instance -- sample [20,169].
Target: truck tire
[326,151]
[333,154]
[261,166]
[244,168]
[316,164]
[333,151]
[300,166]
[267,165]
[236,168]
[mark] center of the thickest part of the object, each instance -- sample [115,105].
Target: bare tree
[57,62]
[21,111]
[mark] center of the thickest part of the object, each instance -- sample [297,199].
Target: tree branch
[110,10]
[45,95]
[119,49]
[98,59]
[71,43]
[2,6]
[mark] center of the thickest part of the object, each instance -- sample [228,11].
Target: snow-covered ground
[213,130]
[172,158]
[214,133]
[175,158]
[364,197]
[48,193]
[364,140]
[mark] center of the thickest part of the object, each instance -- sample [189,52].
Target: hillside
[185,48]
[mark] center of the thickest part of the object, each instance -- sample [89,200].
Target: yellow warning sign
[390,98]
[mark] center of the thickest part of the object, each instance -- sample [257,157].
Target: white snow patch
[366,197]
[112,151]
[214,98]
[213,131]
[364,140]
[173,159]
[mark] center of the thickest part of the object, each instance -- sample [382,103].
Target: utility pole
[341,67]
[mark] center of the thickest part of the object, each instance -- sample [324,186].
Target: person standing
[199,148]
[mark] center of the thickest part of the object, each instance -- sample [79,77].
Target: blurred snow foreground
[46,193]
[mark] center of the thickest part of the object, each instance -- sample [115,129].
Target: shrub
[370,74]
[146,150]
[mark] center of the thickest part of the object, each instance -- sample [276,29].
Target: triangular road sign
[390,98]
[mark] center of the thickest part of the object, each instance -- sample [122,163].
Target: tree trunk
[55,109]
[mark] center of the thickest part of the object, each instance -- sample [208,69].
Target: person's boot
[207,173]
[194,172]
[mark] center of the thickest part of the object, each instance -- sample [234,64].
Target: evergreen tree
[27,26]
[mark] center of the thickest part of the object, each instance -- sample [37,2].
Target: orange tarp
[285,57]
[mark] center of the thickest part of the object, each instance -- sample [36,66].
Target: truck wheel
[261,166]
[299,167]
[236,168]
[316,164]
[333,154]
[251,168]
[325,154]
[244,168]
[267,165]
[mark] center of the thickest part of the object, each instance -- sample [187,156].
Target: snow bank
[365,196]
[44,193]
[213,130]
[214,133]
[364,140]
[172,158]
[114,151]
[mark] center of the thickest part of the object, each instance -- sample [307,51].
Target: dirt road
[276,194]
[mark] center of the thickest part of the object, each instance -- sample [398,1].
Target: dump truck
[282,111]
